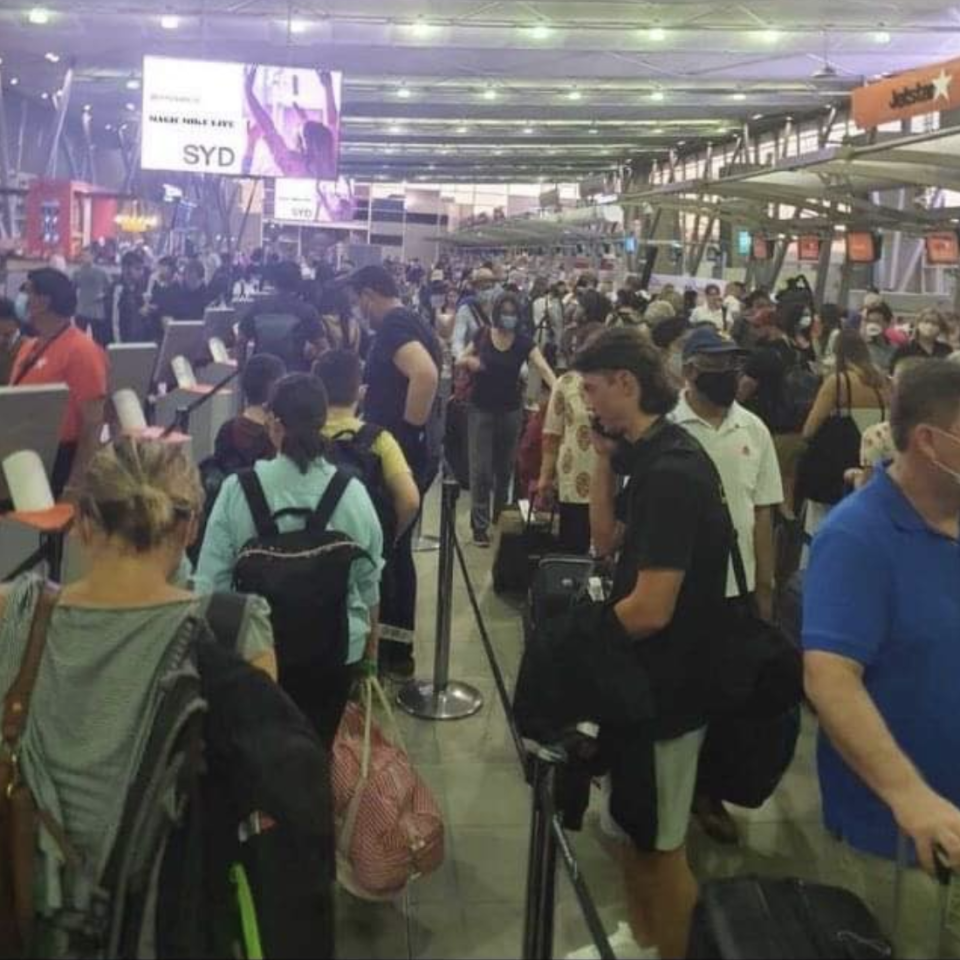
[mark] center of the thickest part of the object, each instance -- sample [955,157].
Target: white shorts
[676,764]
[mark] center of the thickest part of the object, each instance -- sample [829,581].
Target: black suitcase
[521,545]
[558,584]
[758,917]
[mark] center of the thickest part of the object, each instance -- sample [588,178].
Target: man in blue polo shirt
[882,638]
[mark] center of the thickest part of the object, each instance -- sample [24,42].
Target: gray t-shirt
[93,705]
[93,285]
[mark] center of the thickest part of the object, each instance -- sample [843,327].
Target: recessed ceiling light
[740,96]
[108,126]
[404,93]
[463,129]
[131,107]
[541,32]
[14,81]
[422,28]
[657,34]
[528,131]
[575,94]
[39,16]
[882,37]
[757,116]
[659,130]
[44,95]
[390,151]
[498,153]
[298,27]
[170,21]
[594,131]
[87,108]
[133,84]
[52,57]
[658,96]
[395,129]
[490,93]
[770,36]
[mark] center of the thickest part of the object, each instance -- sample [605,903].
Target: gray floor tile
[486,794]
[439,930]
[374,930]
[494,931]
[491,865]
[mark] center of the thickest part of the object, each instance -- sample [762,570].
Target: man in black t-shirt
[283,324]
[402,377]
[671,532]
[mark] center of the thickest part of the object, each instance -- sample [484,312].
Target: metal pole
[542,859]
[21,133]
[441,698]
[62,107]
[9,199]
[823,269]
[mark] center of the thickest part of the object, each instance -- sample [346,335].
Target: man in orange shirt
[63,354]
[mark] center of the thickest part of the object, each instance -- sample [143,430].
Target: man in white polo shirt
[742,450]
[714,310]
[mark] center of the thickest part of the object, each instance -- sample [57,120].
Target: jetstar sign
[908,95]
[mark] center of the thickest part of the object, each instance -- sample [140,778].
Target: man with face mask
[11,339]
[742,450]
[881,624]
[476,313]
[876,322]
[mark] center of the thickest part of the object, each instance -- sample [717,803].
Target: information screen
[314,201]
[808,249]
[238,119]
[863,247]
[943,249]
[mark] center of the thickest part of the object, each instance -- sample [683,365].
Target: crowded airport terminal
[479,479]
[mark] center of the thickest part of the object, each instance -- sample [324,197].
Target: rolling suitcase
[524,540]
[748,918]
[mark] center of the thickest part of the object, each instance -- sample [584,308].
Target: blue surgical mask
[20,306]
[508,322]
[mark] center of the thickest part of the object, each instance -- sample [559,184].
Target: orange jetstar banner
[906,95]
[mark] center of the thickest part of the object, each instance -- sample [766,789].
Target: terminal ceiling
[497,90]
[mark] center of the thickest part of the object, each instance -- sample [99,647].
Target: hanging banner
[907,95]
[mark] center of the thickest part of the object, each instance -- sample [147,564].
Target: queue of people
[673,432]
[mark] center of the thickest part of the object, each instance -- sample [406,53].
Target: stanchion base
[426,544]
[457,702]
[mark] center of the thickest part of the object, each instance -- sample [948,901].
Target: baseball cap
[708,340]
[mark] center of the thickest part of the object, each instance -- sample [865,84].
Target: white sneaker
[623,946]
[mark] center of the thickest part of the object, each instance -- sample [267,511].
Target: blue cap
[707,339]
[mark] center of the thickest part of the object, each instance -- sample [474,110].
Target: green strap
[248,913]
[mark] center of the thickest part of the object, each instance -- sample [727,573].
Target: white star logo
[942,85]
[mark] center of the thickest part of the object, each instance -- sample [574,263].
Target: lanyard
[38,352]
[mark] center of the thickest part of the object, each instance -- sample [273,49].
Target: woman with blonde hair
[111,637]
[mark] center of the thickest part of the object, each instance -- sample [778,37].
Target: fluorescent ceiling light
[298,27]
[882,37]
[395,129]
[658,96]
[44,95]
[404,93]
[770,36]
[658,34]
[133,84]
[39,16]
[14,81]
[740,96]
[541,32]
[170,21]
[490,94]
[421,28]
[52,57]
[528,131]
[463,129]
[575,94]
[659,130]
[131,107]
[594,131]
[757,116]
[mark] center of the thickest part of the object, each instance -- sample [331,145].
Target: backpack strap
[257,502]
[16,704]
[224,616]
[330,500]
[368,435]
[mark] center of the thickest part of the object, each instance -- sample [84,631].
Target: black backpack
[304,576]
[352,452]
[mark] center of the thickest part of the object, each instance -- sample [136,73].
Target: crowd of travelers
[666,427]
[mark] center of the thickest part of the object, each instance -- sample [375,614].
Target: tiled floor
[474,906]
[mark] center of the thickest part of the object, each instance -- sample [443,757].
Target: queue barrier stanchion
[443,698]
[52,526]
[549,845]
[424,542]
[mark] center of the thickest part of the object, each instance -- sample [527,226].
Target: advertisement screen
[943,249]
[314,201]
[863,247]
[240,119]
[808,249]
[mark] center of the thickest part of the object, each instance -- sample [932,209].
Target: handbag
[464,380]
[833,450]
[389,827]
[756,672]
[19,817]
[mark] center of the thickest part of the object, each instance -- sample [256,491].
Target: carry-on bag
[524,540]
[558,584]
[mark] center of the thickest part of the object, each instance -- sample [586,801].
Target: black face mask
[719,387]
